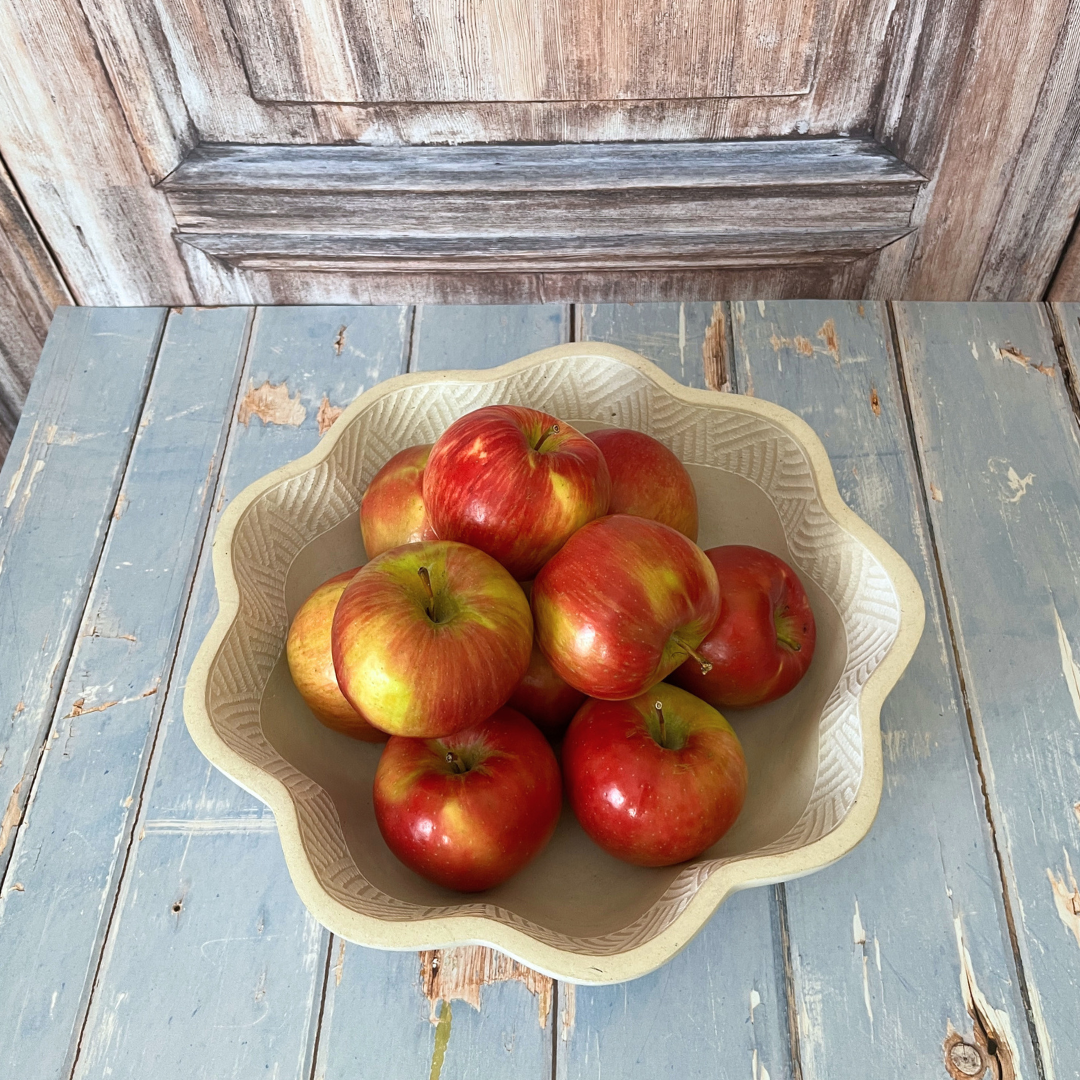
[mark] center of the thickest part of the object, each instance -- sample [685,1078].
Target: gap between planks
[166,685]
[982,1022]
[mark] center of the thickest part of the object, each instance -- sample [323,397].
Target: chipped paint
[326,415]
[804,345]
[992,1027]
[757,1070]
[714,352]
[459,974]
[567,1010]
[1008,351]
[858,932]
[339,967]
[118,510]
[25,500]
[1066,897]
[1071,670]
[272,405]
[875,401]
[12,816]
[755,1001]
[828,334]
[761,308]
[1018,484]
[203,826]
[16,480]
[339,341]
[935,492]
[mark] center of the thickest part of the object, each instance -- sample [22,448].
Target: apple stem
[425,577]
[454,762]
[553,430]
[659,707]
[706,666]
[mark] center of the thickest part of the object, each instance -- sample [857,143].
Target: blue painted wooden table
[148,927]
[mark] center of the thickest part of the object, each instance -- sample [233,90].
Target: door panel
[363,51]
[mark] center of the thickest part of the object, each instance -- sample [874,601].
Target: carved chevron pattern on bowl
[287,517]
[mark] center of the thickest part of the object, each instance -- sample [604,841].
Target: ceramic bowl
[814,756]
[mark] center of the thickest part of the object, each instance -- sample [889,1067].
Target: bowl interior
[574,889]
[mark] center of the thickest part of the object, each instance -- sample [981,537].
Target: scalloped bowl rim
[745,872]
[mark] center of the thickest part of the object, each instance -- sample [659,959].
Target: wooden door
[224,151]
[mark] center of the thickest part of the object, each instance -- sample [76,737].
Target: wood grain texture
[360,51]
[956,114]
[77,830]
[868,1004]
[541,208]
[59,486]
[1000,454]
[31,288]
[239,964]
[381,1007]
[720,1006]
[1066,284]
[1042,197]
[67,143]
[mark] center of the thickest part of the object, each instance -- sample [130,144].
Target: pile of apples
[529,584]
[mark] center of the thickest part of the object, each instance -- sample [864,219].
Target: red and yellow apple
[311,662]
[546,698]
[648,480]
[430,638]
[392,510]
[514,482]
[654,780]
[763,641]
[623,603]
[469,810]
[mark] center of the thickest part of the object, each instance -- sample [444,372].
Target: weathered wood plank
[953,112]
[74,838]
[30,289]
[1000,455]
[238,969]
[878,977]
[59,486]
[1042,195]
[379,1007]
[720,1006]
[67,143]
[363,52]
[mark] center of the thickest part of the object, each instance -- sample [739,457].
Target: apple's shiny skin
[546,698]
[764,639]
[311,662]
[392,510]
[647,803]
[427,666]
[514,482]
[622,604]
[472,829]
[648,480]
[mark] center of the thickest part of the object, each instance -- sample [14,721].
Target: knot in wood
[966,1059]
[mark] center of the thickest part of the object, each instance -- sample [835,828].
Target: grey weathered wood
[239,967]
[877,973]
[376,1010]
[85,798]
[720,1007]
[539,208]
[58,486]
[69,147]
[363,52]
[1043,194]
[31,288]
[1000,455]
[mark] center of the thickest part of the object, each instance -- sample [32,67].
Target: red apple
[763,641]
[546,698]
[623,603]
[648,480]
[431,638]
[654,786]
[468,810]
[514,482]
[311,663]
[392,510]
